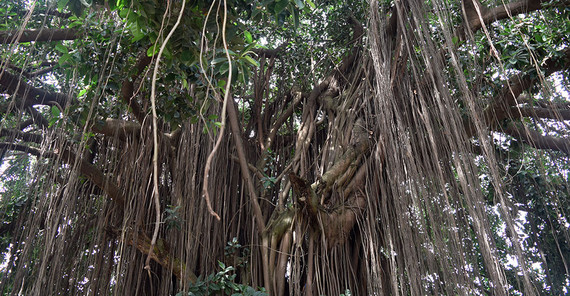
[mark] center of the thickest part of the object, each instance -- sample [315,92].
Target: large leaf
[280,6]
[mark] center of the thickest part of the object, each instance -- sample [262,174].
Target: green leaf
[64,58]
[300,4]
[149,8]
[218,60]
[187,57]
[52,122]
[75,7]
[251,61]
[296,18]
[313,6]
[124,12]
[235,71]
[152,50]
[245,72]
[55,112]
[116,4]
[224,68]
[539,37]
[61,4]
[280,5]
[248,48]
[248,37]
[256,12]
[83,92]
[75,24]
[137,35]
[223,51]
[61,48]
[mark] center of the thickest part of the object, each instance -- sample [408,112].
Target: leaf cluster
[221,283]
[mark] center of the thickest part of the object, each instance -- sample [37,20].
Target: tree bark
[12,36]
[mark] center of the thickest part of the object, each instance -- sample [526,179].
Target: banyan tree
[284,147]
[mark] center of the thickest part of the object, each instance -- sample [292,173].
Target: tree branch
[536,112]
[33,71]
[475,12]
[500,108]
[116,127]
[37,117]
[298,95]
[271,53]
[7,37]
[40,71]
[16,134]
[127,89]
[536,140]
[338,223]
[13,85]
[22,148]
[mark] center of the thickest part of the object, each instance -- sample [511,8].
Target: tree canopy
[284,147]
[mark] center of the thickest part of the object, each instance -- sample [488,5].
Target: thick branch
[16,134]
[357,29]
[271,53]
[258,214]
[13,85]
[22,148]
[536,140]
[283,118]
[475,12]
[500,107]
[40,71]
[127,90]
[526,99]
[37,117]
[536,112]
[38,35]
[33,71]
[510,9]
[116,127]
[98,178]
[24,124]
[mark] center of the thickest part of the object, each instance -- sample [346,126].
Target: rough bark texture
[38,35]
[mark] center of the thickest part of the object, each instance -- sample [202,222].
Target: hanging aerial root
[155,137]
